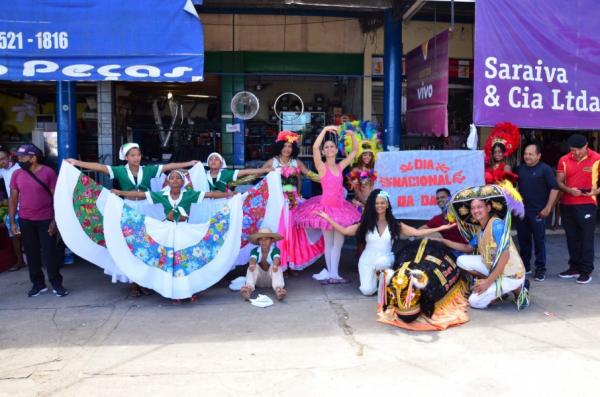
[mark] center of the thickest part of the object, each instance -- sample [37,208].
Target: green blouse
[126,180]
[224,177]
[180,207]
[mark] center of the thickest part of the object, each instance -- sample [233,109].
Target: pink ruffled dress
[331,202]
[296,249]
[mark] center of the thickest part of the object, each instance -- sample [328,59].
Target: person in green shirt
[132,176]
[175,200]
[264,266]
[220,178]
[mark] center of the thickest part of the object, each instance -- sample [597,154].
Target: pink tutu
[345,214]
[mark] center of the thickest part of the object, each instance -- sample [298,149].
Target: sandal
[281,293]
[246,292]
[194,298]
[16,267]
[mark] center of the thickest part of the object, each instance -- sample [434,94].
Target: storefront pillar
[106,143]
[66,120]
[233,142]
[392,58]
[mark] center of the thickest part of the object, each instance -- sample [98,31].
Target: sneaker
[60,291]
[540,275]
[584,278]
[569,273]
[35,291]
[527,272]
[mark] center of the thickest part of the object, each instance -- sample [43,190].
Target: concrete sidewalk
[322,340]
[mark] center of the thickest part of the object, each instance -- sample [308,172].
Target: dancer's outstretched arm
[89,166]
[414,232]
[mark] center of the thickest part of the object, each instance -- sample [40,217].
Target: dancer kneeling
[264,267]
[377,232]
[483,215]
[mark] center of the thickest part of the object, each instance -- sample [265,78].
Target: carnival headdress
[504,200]
[505,133]
[367,135]
[287,136]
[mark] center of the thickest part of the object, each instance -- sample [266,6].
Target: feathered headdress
[505,133]
[367,135]
[287,136]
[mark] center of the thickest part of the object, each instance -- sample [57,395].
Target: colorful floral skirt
[174,259]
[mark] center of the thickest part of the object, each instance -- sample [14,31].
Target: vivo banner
[411,178]
[537,63]
[427,87]
[95,40]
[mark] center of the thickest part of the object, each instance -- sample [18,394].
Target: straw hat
[264,232]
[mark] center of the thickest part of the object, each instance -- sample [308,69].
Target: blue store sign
[98,40]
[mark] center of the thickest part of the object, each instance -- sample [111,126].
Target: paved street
[323,340]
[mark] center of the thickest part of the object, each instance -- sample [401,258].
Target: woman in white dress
[377,231]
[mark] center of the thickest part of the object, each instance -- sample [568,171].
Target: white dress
[377,255]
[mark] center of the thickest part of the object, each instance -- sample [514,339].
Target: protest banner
[411,178]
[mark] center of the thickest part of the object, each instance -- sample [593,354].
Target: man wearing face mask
[32,189]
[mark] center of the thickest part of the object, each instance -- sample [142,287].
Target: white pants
[474,263]
[263,278]
[368,265]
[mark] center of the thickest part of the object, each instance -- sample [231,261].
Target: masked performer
[483,215]
[297,251]
[425,291]
[499,147]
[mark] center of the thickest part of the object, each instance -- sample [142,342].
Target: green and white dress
[141,183]
[182,206]
[224,177]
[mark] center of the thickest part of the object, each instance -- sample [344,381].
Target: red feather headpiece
[287,136]
[505,133]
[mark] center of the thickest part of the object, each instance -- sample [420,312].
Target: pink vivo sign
[427,87]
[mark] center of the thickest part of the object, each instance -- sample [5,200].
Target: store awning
[98,40]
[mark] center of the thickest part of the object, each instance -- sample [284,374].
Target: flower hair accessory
[287,136]
[362,176]
[383,193]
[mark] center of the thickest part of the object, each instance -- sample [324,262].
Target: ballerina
[377,232]
[332,200]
